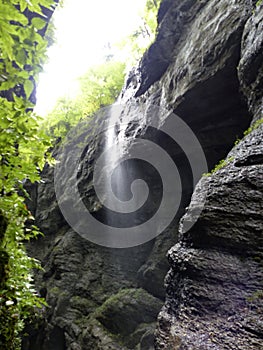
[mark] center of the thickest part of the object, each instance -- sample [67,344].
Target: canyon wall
[205,66]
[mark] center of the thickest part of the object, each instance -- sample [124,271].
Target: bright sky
[84,27]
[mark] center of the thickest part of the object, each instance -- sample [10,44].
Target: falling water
[117,175]
[119,188]
[136,181]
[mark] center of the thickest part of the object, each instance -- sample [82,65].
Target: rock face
[205,66]
[214,286]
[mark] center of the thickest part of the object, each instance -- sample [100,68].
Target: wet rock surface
[205,66]
[214,286]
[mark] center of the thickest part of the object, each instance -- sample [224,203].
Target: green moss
[124,311]
[256,296]
[220,165]
[55,291]
[226,161]
[257,259]
[123,294]
[253,127]
[86,306]
[125,316]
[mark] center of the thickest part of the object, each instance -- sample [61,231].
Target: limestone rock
[214,286]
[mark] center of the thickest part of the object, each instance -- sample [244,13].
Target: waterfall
[132,210]
[115,170]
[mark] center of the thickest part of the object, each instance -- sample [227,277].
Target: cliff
[205,66]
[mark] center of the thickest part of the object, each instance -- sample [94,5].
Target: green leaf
[29,87]
[38,23]
[23,5]
[8,43]
[21,58]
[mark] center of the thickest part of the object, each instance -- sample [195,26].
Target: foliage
[224,162]
[100,87]
[150,14]
[22,53]
[253,127]
[139,40]
[50,35]
[256,296]
[220,165]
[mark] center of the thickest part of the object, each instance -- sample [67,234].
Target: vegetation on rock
[100,87]
[101,84]
[23,154]
[24,145]
[138,41]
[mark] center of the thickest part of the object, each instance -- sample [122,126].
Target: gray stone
[214,286]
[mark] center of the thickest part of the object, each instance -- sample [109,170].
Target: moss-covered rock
[122,312]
